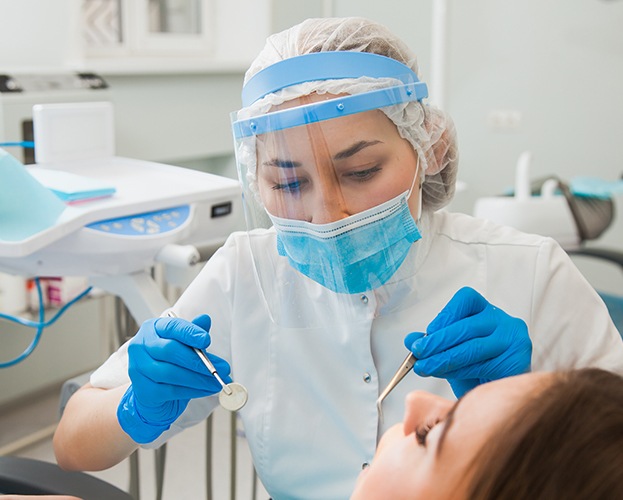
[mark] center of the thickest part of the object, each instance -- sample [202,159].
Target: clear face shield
[331,177]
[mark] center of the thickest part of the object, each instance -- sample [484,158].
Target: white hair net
[428,129]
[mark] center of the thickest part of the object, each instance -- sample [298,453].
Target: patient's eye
[421,432]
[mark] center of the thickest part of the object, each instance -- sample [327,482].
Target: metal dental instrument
[402,371]
[233,396]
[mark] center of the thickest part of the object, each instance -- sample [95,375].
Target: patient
[534,436]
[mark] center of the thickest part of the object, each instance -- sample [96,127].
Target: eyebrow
[446,427]
[342,155]
[354,149]
[276,162]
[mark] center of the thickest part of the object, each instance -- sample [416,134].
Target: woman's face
[429,455]
[331,169]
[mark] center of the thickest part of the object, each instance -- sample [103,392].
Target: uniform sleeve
[113,372]
[570,325]
[209,293]
[213,293]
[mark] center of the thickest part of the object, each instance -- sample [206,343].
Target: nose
[328,204]
[327,210]
[421,406]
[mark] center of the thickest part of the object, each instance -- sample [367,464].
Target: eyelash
[359,176]
[421,433]
[364,175]
[289,187]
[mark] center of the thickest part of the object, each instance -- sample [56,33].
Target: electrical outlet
[504,119]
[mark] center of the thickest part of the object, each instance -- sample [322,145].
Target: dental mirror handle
[206,361]
[208,364]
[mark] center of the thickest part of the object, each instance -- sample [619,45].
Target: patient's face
[413,463]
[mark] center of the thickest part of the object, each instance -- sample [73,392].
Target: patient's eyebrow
[447,425]
[354,149]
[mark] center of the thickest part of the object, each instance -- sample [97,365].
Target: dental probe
[206,361]
[402,371]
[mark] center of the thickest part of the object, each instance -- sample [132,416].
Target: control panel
[145,224]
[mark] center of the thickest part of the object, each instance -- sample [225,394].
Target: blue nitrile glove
[471,342]
[166,373]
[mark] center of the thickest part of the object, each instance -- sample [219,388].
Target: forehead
[304,100]
[493,402]
[371,125]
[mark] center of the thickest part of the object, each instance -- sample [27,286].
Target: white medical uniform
[311,418]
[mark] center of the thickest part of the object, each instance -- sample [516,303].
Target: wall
[38,35]
[558,63]
[173,118]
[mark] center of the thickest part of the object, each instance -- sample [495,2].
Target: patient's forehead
[503,395]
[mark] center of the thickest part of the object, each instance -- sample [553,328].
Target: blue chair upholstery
[614,303]
[615,307]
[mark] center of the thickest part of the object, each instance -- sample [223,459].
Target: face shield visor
[325,168]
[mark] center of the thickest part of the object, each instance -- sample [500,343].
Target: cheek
[281,205]
[266,196]
[404,173]
[400,470]
[395,180]
[414,202]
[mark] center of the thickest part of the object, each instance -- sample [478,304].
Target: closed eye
[421,432]
[364,175]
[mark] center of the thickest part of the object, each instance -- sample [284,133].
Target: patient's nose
[424,407]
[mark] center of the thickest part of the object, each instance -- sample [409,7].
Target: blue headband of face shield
[326,66]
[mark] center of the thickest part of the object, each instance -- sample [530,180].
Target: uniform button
[364,299]
[367,378]
[365,465]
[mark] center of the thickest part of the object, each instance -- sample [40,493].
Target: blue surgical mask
[352,255]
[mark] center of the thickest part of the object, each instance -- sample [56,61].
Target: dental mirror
[233,396]
[236,398]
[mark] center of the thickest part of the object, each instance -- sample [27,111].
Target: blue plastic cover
[70,187]
[596,187]
[323,66]
[327,110]
[26,206]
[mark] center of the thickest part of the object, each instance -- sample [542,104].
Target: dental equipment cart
[156,213]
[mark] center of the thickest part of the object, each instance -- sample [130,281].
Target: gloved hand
[471,342]
[166,373]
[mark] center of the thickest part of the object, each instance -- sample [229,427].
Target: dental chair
[592,217]
[25,476]
[549,207]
